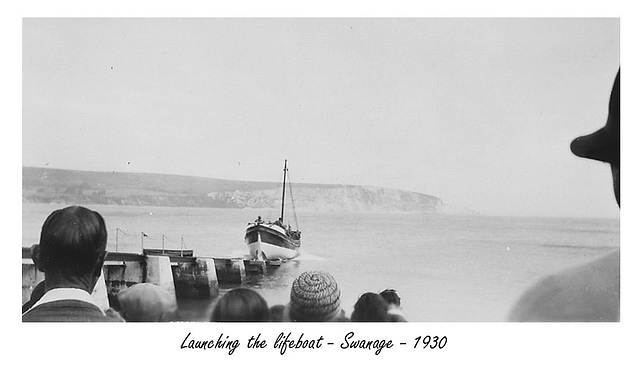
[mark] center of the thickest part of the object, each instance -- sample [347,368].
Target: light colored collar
[59,294]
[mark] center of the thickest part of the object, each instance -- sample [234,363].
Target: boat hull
[270,242]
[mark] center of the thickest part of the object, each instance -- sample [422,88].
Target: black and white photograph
[455,175]
[333,169]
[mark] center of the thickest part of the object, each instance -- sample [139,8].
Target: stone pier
[159,273]
[230,271]
[194,277]
[206,277]
[184,277]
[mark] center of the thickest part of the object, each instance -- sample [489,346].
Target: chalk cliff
[334,198]
[44,185]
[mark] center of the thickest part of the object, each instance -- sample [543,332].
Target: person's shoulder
[66,311]
[588,292]
[598,276]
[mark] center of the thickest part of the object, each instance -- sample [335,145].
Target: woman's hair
[73,238]
[276,313]
[241,305]
[370,307]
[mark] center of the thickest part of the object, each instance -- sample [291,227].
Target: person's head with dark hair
[276,313]
[394,311]
[241,305]
[72,248]
[370,307]
[71,252]
[391,297]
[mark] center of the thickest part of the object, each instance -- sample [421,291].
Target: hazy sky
[479,112]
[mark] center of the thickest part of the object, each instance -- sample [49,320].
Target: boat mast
[284,180]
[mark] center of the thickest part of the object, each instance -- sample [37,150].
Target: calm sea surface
[445,268]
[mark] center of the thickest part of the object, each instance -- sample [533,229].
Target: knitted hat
[147,303]
[315,297]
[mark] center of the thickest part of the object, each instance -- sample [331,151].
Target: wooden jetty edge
[183,276]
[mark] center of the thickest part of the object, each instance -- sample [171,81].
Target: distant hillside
[42,185]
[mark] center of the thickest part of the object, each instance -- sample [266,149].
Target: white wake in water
[305,256]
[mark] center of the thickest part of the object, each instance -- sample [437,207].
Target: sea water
[444,267]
